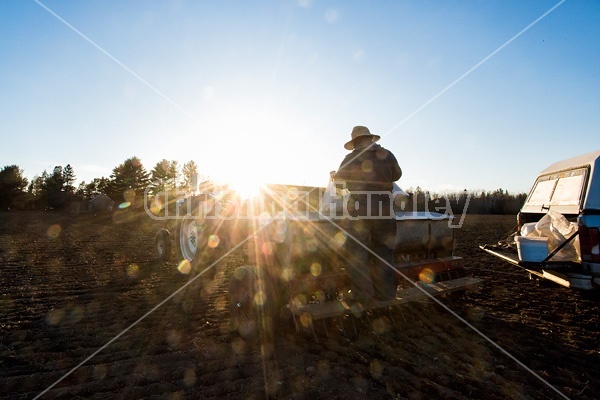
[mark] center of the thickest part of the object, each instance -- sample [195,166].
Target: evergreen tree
[173,175]
[35,193]
[97,186]
[128,181]
[102,185]
[12,187]
[160,175]
[36,185]
[69,179]
[165,175]
[190,169]
[54,188]
[80,192]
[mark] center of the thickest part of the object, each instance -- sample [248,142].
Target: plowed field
[83,315]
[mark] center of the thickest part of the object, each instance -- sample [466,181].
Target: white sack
[333,200]
[557,229]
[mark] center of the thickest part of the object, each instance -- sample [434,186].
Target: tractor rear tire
[163,245]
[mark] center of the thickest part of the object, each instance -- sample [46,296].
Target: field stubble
[70,284]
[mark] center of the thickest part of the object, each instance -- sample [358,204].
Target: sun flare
[257,150]
[247,188]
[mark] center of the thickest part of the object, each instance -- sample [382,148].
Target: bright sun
[255,150]
[247,187]
[247,145]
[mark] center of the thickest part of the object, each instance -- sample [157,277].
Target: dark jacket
[373,169]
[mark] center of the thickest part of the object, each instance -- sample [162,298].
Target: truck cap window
[560,189]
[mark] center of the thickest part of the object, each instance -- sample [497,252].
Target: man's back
[370,169]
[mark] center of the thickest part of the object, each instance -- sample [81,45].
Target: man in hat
[369,173]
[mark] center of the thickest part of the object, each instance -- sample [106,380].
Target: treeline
[129,180]
[126,184]
[474,202]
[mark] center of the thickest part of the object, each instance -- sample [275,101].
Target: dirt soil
[84,296]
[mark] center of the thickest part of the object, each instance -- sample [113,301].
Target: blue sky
[268,91]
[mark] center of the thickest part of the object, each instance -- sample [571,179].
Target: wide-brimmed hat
[358,131]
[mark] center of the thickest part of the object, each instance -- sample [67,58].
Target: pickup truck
[563,210]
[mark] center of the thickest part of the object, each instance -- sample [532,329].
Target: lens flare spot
[54,231]
[308,230]
[54,317]
[315,269]
[267,248]
[184,267]
[259,298]
[133,271]
[278,230]
[239,273]
[367,166]
[155,208]
[76,314]
[427,276]
[376,369]
[189,377]
[339,239]
[312,245]
[213,241]
[319,296]
[173,339]
[124,205]
[306,319]
[292,193]
[390,241]
[299,300]
[238,346]
[286,274]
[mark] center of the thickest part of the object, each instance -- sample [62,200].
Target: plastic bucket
[532,249]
